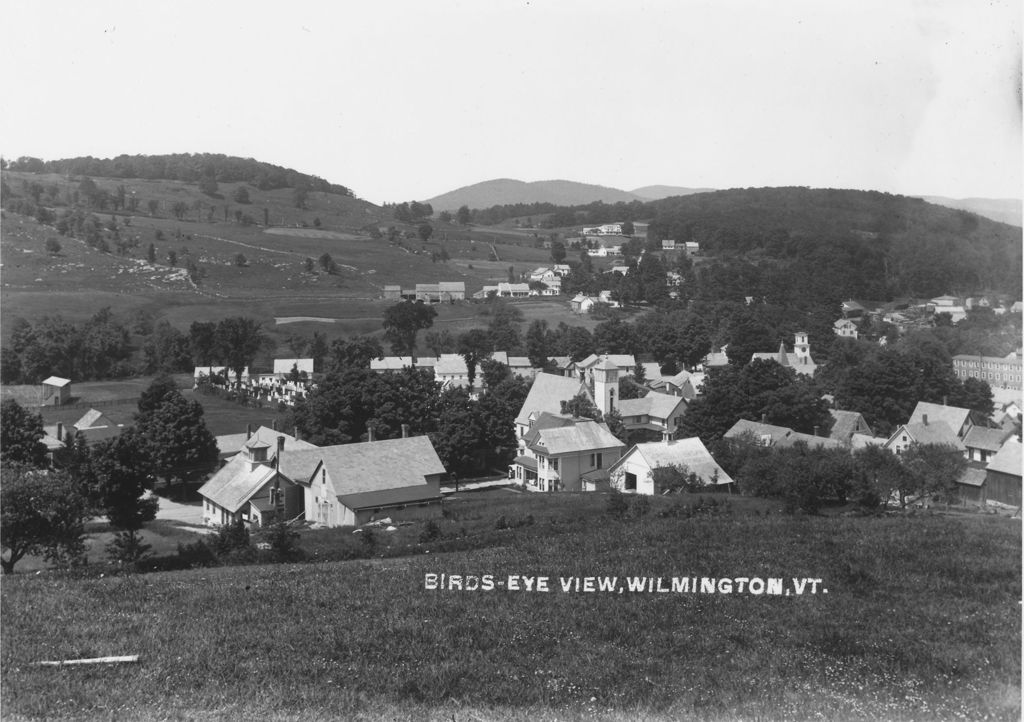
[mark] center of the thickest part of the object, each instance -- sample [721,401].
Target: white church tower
[802,348]
[606,384]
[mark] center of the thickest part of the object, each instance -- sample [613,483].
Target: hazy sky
[409,99]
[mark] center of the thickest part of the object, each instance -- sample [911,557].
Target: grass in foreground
[921,621]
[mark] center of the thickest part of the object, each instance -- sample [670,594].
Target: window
[630,482]
[554,464]
[598,465]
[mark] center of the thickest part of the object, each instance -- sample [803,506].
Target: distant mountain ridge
[1004,210]
[508,191]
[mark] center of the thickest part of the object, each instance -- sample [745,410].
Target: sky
[404,100]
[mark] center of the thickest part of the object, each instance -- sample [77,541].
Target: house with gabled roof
[960,420]
[625,363]
[96,426]
[661,413]
[546,395]
[764,434]
[562,453]
[924,432]
[634,472]
[450,370]
[845,328]
[230,444]
[845,424]
[983,443]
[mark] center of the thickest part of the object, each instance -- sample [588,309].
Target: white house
[657,412]
[561,453]
[546,395]
[634,472]
[845,328]
[799,359]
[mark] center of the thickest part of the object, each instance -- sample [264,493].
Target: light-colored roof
[378,465]
[859,441]
[233,443]
[662,406]
[758,429]
[580,436]
[795,437]
[57,381]
[547,394]
[621,361]
[451,286]
[846,424]
[397,363]
[954,416]
[519,361]
[1008,459]
[92,419]
[689,452]
[500,357]
[934,432]
[236,482]
[450,364]
[285,365]
[986,439]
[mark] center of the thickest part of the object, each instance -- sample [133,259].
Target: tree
[172,258]
[208,185]
[151,253]
[180,446]
[167,350]
[241,195]
[179,209]
[121,468]
[458,435]
[557,251]
[582,407]
[300,195]
[328,264]
[494,372]
[440,342]
[240,260]
[425,231]
[539,342]
[474,346]
[153,205]
[463,216]
[41,512]
[53,246]
[21,432]
[239,339]
[355,353]
[444,216]
[309,265]
[932,470]
[202,340]
[403,321]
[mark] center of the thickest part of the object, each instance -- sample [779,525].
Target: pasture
[921,621]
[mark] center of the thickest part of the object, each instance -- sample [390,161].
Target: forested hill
[893,245]
[188,167]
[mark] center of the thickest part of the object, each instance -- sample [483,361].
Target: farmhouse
[1003,476]
[451,371]
[926,431]
[634,472]
[958,419]
[561,453]
[55,392]
[228,445]
[96,426]
[983,443]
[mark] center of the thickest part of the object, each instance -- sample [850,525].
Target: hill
[654,193]
[1004,210]
[187,167]
[506,191]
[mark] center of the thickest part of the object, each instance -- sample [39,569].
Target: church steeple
[783,357]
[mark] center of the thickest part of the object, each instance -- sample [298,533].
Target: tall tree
[40,513]
[474,346]
[202,339]
[403,321]
[239,339]
[21,432]
[121,468]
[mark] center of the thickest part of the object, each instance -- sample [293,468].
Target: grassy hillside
[921,621]
[273,284]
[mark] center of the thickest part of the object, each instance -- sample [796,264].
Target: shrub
[431,532]
[284,542]
[231,537]
[616,505]
[127,547]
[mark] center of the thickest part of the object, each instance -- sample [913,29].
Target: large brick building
[998,372]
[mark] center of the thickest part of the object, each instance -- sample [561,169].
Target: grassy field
[921,621]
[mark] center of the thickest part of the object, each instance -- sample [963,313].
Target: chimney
[816,427]
[405,431]
[248,431]
[295,433]
[764,418]
[369,433]
[924,419]
[280,449]
[273,424]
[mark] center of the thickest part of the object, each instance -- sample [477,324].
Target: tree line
[188,167]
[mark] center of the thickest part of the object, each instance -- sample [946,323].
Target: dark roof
[846,424]
[527,461]
[986,439]
[388,497]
